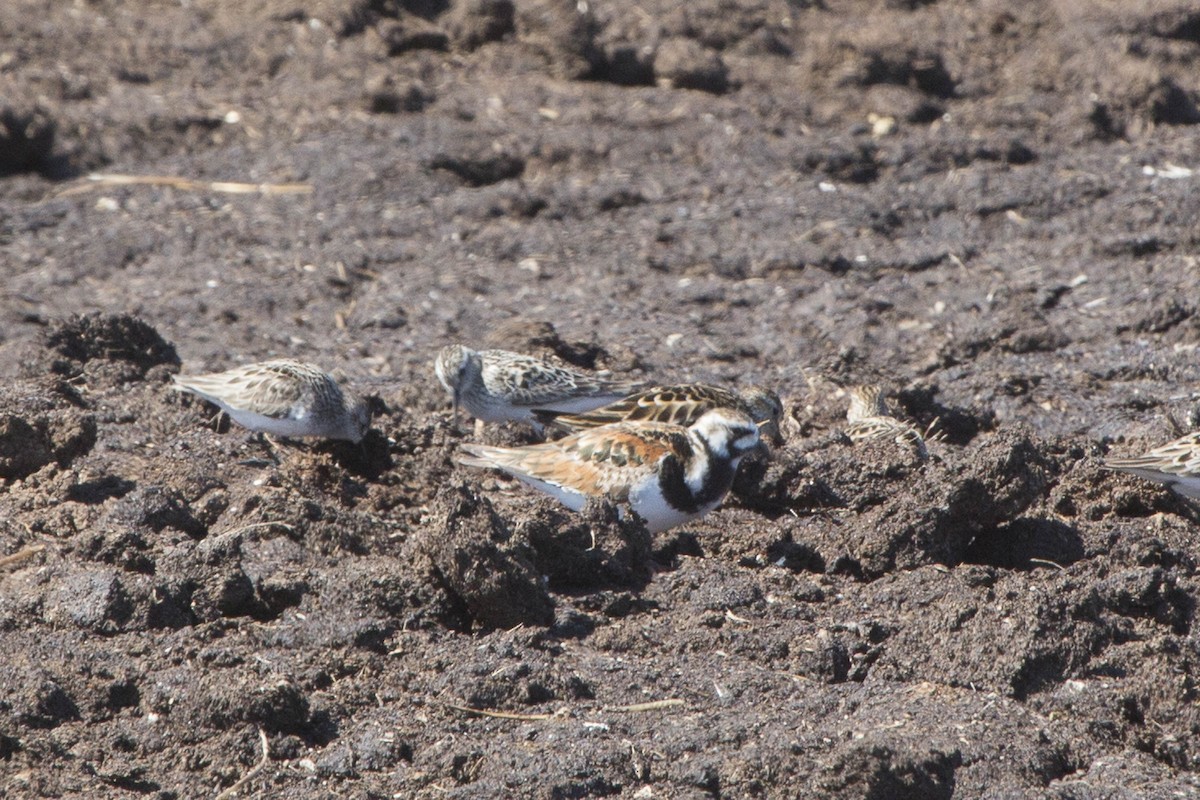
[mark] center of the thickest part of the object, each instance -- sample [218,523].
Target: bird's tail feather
[478,455]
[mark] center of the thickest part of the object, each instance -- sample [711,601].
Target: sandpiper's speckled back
[866,401]
[284,397]
[497,385]
[1176,463]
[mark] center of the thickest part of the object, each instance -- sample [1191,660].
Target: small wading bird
[869,419]
[667,473]
[1176,464]
[497,386]
[283,398]
[678,404]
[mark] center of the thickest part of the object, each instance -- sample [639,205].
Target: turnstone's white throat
[283,398]
[667,473]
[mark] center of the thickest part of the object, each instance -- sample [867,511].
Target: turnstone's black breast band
[674,486]
[673,480]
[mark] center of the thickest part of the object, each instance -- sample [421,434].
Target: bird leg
[269,446]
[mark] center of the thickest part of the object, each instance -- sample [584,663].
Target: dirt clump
[126,342]
[480,561]
[45,421]
[601,546]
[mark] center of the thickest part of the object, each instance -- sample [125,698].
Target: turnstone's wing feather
[680,404]
[528,381]
[601,461]
[271,388]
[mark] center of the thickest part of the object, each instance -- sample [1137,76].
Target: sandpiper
[497,385]
[284,398]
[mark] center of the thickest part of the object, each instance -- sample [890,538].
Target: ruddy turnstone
[668,474]
[678,404]
[1176,464]
[869,418]
[496,385]
[283,398]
